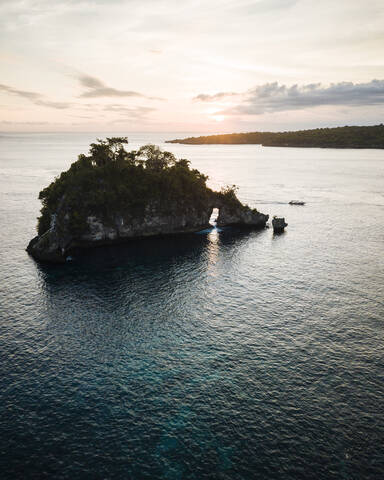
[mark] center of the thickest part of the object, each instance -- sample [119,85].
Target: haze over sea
[231,355]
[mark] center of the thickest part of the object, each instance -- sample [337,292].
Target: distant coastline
[338,137]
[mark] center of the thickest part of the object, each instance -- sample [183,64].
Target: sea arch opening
[214,216]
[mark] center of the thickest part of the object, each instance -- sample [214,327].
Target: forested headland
[339,137]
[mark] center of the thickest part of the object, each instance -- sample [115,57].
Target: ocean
[226,355]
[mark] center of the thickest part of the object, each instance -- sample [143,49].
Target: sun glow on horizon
[218,118]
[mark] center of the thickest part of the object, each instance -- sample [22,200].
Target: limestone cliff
[56,244]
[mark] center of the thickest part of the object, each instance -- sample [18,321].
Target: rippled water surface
[229,355]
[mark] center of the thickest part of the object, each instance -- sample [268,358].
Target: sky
[190,65]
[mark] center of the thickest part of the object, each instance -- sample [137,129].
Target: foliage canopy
[110,180]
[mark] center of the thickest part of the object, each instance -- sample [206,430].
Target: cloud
[34,97]
[91,82]
[96,89]
[50,104]
[262,6]
[21,93]
[203,97]
[117,108]
[131,112]
[9,122]
[87,117]
[274,97]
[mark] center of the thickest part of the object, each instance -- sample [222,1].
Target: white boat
[296,202]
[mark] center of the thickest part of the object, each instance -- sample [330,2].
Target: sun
[218,118]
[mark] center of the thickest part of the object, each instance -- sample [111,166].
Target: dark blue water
[230,355]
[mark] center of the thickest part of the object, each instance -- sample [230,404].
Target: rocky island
[111,196]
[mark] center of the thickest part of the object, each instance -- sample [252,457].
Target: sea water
[231,354]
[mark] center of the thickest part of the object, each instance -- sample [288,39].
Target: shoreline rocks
[279,224]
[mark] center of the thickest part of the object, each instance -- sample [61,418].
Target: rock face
[56,244]
[240,216]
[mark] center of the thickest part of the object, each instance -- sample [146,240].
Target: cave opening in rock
[214,216]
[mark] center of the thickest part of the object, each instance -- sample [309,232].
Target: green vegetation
[340,137]
[110,180]
[229,196]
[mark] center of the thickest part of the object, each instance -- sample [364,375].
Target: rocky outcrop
[111,196]
[279,224]
[56,244]
[47,248]
[242,216]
